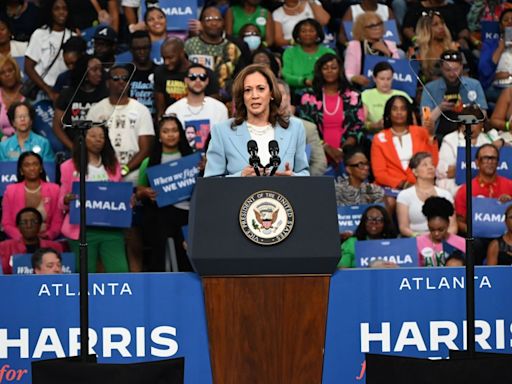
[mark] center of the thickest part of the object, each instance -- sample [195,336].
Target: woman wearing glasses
[411,220]
[32,190]
[368,39]
[355,189]
[499,251]
[375,224]
[250,12]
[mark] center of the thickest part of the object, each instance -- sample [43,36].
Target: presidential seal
[266,217]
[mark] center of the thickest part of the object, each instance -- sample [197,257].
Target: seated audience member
[411,220]
[355,189]
[446,95]
[317,161]
[251,35]
[502,115]
[446,168]
[334,106]
[374,99]
[106,244]
[375,224]
[160,223]
[46,261]
[499,251]
[456,259]
[72,50]
[292,12]
[21,116]
[32,190]
[494,66]
[487,183]
[353,11]
[250,12]
[265,57]
[299,60]
[9,46]
[432,39]
[368,39]
[28,223]
[10,85]
[437,245]
[394,147]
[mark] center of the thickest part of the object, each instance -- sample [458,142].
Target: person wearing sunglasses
[355,188]
[198,110]
[28,222]
[375,224]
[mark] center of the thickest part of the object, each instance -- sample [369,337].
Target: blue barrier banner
[349,216]
[417,312]
[402,252]
[503,166]
[175,180]
[490,30]
[108,204]
[134,318]
[8,173]
[404,77]
[392,192]
[390,28]
[488,217]
[22,263]
[178,12]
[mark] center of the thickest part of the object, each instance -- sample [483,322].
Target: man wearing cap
[442,99]
[104,44]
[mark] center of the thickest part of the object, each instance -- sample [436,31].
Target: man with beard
[196,109]
[443,98]
[104,45]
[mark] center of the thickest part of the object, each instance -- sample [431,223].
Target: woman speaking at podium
[257,118]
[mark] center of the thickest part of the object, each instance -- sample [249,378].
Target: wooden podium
[266,305]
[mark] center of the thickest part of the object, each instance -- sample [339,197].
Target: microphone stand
[274,163]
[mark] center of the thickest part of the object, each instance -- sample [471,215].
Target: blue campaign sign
[490,30]
[417,312]
[134,318]
[349,216]
[402,252]
[8,173]
[390,28]
[175,180]
[404,77]
[391,192]
[178,12]
[460,170]
[22,263]
[108,204]
[488,217]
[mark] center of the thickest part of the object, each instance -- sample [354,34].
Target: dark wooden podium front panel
[266,329]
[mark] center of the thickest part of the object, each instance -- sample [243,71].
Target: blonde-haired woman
[10,84]
[432,38]
[368,34]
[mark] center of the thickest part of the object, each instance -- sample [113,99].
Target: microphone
[254,160]
[275,160]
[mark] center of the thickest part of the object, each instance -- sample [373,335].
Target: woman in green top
[250,12]
[299,60]
[375,224]
[160,223]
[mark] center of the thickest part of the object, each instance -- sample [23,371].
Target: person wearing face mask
[250,12]
[251,35]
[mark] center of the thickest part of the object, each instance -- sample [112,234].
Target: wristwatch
[125,170]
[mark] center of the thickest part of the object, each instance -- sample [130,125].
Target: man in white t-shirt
[130,126]
[197,110]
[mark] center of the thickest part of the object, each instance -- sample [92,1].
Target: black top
[504,253]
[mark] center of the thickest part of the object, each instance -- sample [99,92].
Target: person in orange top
[393,147]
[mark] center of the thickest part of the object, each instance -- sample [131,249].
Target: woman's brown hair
[275,102]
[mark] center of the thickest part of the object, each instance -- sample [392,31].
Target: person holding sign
[106,244]
[160,223]
[436,246]
[375,224]
[368,35]
[499,251]
[32,190]
[258,117]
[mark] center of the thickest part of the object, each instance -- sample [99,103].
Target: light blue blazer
[227,153]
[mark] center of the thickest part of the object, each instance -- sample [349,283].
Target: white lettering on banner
[440,333]
[103,205]
[489,217]
[429,283]
[400,77]
[114,339]
[396,259]
[97,289]
[503,166]
[9,179]
[177,11]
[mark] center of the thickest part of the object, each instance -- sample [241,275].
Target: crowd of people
[291,71]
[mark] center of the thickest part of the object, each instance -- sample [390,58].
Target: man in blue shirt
[443,99]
